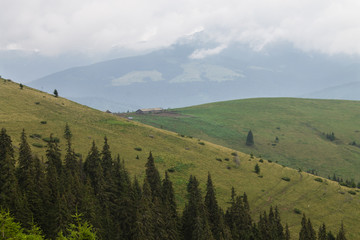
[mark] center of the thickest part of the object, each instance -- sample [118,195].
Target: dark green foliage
[10,196]
[51,139]
[153,178]
[43,122]
[352,192]
[194,220]
[330,136]
[307,232]
[201,143]
[21,86]
[297,211]
[56,94]
[257,169]
[318,179]
[322,232]
[341,233]
[38,145]
[138,149]
[287,179]
[35,135]
[250,139]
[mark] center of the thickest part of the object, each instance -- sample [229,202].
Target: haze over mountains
[194,71]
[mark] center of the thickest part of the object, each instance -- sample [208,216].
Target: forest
[68,198]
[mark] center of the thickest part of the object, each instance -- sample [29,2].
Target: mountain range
[193,72]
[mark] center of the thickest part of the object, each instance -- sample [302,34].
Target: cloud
[202,53]
[97,26]
[137,77]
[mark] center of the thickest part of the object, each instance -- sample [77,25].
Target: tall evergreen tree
[25,169]
[322,232]
[213,210]
[153,177]
[250,139]
[194,219]
[341,233]
[169,209]
[10,196]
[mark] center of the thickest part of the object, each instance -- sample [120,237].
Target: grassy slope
[325,201]
[298,123]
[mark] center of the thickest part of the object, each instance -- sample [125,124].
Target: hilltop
[289,131]
[42,114]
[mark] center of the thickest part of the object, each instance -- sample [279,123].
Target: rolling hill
[40,113]
[300,125]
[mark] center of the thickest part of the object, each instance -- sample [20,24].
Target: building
[149,110]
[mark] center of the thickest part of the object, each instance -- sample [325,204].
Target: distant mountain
[191,72]
[348,91]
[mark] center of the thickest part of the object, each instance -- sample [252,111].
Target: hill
[300,125]
[186,74]
[322,201]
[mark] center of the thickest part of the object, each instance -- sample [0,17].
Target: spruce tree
[341,233]
[322,232]
[250,139]
[10,196]
[153,178]
[25,169]
[287,232]
[213,210]
[194,219]
[169,207]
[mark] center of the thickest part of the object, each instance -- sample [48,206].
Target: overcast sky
[54,27]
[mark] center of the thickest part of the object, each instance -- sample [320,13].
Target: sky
[93,27]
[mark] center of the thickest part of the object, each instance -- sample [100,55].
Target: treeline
[67,198]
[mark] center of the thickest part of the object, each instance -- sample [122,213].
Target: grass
[325,201]
[287,130]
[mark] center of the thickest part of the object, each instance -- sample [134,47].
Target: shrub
[37,103]
[137,156]
[35,135]
[43,122]
[218,159]
[234,154]
[226,159]
[269,161]
[201,143]
[261,160]
[138,149]
[318,179]
[260,176]
[54,139]
[38,145]
[171,169]
[297,211]
[228,167]
[286,179]
[352,192]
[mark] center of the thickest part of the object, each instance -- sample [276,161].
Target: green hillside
[300,125]
[42,114]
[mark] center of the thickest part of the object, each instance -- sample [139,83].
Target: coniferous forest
[63,197]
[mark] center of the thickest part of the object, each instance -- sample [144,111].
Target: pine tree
[10,196]
[56,94]
[194,219]
[341,233]
[144,226]
[287,232]
[153,177]
[169,207]
[25,169]
[250,139]
[322,232]
[213,210]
